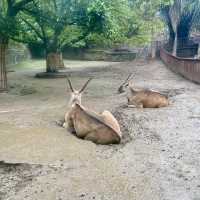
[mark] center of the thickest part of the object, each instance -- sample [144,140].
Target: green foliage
[70,37]
[56,24]
[95,40]
[117,19]
[77,23]
[9,9]
[49,31]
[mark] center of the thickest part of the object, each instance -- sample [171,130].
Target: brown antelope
[100,128]
[143,98]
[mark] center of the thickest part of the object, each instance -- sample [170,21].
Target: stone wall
[100,54]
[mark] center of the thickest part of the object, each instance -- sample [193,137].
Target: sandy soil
[158,159]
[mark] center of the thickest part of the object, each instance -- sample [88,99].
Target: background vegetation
[54,25]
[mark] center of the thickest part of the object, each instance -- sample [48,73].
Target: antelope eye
[126,85]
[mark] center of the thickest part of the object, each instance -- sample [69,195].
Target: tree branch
[34,29]
[20,5]
[25,41]
[76,40]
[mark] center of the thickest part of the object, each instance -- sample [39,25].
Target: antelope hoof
[59,123]
[131,106]
[140,106]
[64,125]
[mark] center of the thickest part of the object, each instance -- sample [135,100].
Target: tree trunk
[61,65]
[54,62]
[184,47]
[153,49]
[153,43]
[175,46]
[171,40]
[3,73]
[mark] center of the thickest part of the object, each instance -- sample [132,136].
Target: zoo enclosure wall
[187,67]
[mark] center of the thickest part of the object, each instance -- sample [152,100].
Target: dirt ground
[158,159]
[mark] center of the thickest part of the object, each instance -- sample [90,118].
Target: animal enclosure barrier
[3,73]
[187,67]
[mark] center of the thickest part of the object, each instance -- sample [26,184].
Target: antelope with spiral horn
[100,128]
[142,98]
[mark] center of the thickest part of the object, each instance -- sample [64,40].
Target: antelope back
[86,121]
[149,99]
[108,118]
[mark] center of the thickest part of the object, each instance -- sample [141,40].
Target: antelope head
[125,84]
[76,94]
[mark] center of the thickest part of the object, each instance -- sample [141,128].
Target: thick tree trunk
[168,21]
[54,62]
[3,73]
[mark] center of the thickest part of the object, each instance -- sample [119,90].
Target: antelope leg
[135,104]
[131,106]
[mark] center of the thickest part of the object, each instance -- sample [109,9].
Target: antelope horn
[70,84]
[85,85]
[128,78]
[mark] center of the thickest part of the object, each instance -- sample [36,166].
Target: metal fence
[10,56]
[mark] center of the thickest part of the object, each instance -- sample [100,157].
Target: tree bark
[175,46]
[171,39]
[54,62]
[153,42]
[61,65]
[3,72]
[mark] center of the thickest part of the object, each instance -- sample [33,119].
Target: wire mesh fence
[10,55]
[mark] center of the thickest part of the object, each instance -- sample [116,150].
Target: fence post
[153,49]
[3,73]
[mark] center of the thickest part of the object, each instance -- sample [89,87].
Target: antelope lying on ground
[100,128]
[143,98]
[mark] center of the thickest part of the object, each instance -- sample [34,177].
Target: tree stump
[54,62]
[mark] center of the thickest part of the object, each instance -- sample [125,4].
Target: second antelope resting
[143,98]
[100,128]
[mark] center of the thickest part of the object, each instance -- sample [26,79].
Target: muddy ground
[158,159]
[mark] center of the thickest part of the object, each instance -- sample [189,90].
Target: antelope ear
[126,84]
